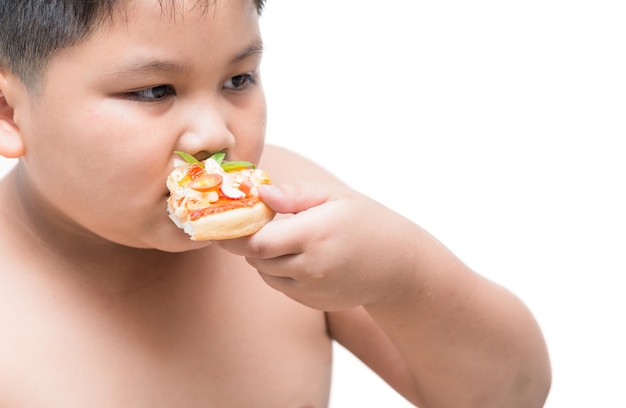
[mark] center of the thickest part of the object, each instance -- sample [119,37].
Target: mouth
[202,155]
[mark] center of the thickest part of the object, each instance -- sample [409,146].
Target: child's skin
[105,303]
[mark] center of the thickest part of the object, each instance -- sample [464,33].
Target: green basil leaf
[189,158]
[218,157]
[237,165]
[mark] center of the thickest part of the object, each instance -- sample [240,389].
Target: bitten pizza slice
[216,199]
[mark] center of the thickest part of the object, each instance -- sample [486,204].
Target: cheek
[250,133]
[96,157]
[120,147]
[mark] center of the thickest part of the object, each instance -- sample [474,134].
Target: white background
[500,127]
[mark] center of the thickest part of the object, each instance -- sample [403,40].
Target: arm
[450,340]
[433,329]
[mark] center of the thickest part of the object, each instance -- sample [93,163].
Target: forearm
[466,341]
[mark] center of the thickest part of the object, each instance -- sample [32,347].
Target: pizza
[216,199]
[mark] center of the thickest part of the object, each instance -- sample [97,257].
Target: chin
[173,239]
[175,246]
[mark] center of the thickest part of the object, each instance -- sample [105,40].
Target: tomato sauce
[221,206]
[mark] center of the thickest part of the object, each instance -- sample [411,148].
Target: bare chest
[230,344]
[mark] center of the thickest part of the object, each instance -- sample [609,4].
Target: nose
[206,131]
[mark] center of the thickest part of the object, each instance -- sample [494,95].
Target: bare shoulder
[286,166]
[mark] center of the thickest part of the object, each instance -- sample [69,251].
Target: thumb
[294,198]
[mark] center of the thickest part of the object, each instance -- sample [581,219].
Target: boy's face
[100,138]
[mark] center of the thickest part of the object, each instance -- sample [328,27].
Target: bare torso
[198,329]
[191,337]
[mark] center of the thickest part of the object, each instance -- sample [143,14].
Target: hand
[337,250]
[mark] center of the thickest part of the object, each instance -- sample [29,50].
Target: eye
[240,82]
[152,94]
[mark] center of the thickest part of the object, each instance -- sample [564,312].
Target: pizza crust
[239,222]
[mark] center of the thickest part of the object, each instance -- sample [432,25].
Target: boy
[104,302]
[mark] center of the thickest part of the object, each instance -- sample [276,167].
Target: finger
[237,246]
[294,198]
[280,237]
[280,283]
[285,236]
[275,240]
[279,267]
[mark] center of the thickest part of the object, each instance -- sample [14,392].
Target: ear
[11,143]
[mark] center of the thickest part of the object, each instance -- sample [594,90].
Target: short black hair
[33,31]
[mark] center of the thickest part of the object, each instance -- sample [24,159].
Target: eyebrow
[150,65]
[153,65]
[255,49]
